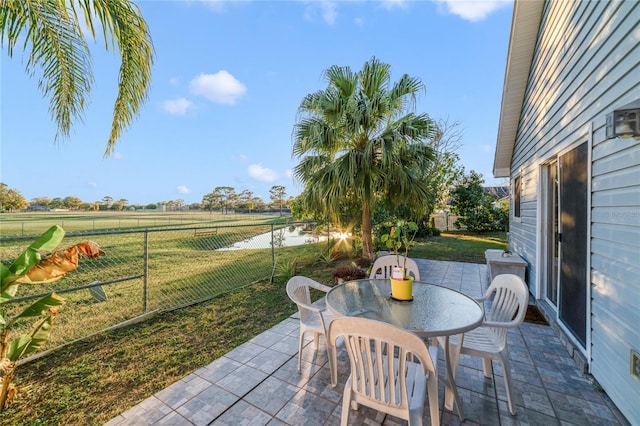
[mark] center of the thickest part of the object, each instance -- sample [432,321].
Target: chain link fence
[27,224]
[152,270]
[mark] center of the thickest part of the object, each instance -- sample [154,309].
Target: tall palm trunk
[367,240]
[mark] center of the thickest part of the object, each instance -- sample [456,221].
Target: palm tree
[359,140]
[54,41]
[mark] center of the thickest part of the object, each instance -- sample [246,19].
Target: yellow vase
[402,289]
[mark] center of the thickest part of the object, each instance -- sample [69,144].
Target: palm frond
[375,77]
[343,79]
[124,20]
[404,93]
[56,49]
[53,46]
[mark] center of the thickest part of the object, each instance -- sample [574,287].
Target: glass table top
[434,311]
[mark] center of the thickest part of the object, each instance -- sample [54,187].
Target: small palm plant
[30,268]
[400,239]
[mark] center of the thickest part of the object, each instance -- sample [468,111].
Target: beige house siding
[586,63]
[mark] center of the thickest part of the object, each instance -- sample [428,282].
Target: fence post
[273,250]
[145,279]
[273,256]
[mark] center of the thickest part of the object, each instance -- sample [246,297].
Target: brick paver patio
[258,383]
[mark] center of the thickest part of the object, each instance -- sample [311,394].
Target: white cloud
[395,4]
[289,173]
[260,173]
[117,156]
[178,106]
[327,9]
[92,184]
[329,12]
[214,5]
[473,10]
[174,81]
[183,189]
[220,87]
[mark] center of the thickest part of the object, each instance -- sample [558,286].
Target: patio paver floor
[258,383]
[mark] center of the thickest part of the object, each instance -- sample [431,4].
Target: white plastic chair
[391,369]
[509,299]
[314,317]
[383,266]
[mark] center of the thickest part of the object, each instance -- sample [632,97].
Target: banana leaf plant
[31,268]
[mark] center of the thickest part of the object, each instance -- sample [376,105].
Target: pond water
[288,239]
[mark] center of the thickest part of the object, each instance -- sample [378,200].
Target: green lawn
[94,380]
[459,246]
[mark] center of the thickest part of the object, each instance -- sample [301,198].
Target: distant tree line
[222,198]
[225,199]
[11,199]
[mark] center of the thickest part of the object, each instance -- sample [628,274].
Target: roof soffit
[522,41]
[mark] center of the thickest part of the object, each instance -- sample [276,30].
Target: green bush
[349,273]
[425,230]
[476,206]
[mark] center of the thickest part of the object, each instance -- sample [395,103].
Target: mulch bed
[535,316]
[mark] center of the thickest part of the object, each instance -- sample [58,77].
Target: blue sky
[227,82]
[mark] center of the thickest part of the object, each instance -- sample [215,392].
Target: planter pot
[402,289]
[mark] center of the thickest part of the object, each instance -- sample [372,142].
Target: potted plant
[399,240]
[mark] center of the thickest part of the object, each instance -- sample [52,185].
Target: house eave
[501,173]
[522,42]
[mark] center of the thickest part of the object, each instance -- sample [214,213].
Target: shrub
[361,262]
[286,269]
[348,273]
[326,257]
[424,230]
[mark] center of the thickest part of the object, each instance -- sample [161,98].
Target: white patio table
[434,311]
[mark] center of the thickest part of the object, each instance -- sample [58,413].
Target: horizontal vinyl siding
[619,371]
[612,336]
[586,64]
[621,258]
[522,231]
[615,271]
[620,165]
[621,197]
[615,233]
[568,93]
